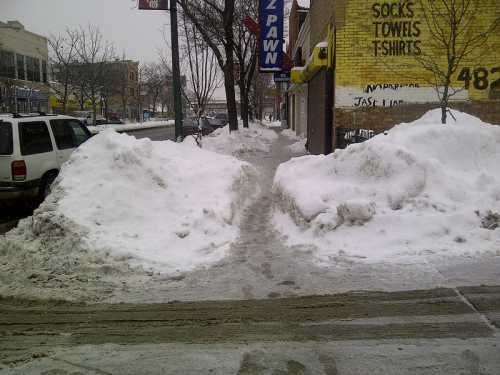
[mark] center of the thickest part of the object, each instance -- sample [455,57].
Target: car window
[6,147]
[63,134]
[34,138]
[68,133]
[79,132]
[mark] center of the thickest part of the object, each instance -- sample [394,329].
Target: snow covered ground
[132,126]
[252,140]
[299,145]
[422,189]
[272,124]
[123,206]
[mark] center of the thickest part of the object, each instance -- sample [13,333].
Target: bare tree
[257,95]
[154,79]
[455,36]
[63,58]
[93,69]
[214,19]
[245,48]
[203,70]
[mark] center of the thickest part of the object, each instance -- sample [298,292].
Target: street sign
[251,25]
[271,14]
[153,4]
[282,77]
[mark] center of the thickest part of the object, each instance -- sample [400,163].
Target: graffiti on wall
[388,95]
[375,97]
[396,32]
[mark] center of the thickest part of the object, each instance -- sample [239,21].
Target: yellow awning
[322,56]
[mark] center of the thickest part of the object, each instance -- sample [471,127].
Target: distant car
[190,127]
[32,150]
[219,120]
[103,121]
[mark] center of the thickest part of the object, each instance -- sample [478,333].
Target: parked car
[103,121]
[190,127]
[32,150]
[219,120]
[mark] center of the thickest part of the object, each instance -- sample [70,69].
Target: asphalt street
[155,134]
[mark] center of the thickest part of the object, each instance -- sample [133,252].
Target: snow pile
[290,134]
[299,146]
[132,126]
[123,205]
[271,124]
[423,188]
[251,140]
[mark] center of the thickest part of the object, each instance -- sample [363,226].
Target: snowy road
[417,332]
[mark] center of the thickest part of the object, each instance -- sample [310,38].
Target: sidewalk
[268,309]
[260,265]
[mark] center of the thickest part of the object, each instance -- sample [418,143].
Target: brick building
[361,71]
[124,101]
[23,69]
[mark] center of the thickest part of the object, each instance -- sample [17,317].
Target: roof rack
[38,113]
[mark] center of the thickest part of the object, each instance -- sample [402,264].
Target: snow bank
[251,140]
[133,126]
[122,205]
[423,188]
[271,124]
[299,146]
[290,134]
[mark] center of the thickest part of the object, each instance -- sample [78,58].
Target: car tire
[46,184]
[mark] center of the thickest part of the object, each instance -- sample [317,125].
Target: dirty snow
[271,124]
[299,145]
[422,189]
[122,205]
[252,140]
[290,134]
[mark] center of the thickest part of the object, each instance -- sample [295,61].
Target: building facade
[299,50]
[363,71]
[124,101]
[23,69]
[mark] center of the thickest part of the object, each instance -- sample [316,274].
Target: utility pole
[174,34]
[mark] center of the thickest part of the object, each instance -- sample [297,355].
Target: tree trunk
[244,103]
[232,112]
[444,100]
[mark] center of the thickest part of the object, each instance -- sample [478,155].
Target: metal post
[176,70]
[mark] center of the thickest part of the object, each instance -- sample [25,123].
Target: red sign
[153,4]
[251,25]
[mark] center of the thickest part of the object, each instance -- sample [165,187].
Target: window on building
[30,68]
[44,71]
[21,73]
[7,64]
[131,91]
[34,138]
[37,70]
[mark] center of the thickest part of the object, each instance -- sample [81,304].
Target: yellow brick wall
[357,64]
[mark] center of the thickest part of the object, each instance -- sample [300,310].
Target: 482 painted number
[480,78]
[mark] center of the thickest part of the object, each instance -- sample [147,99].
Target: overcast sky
[137,33]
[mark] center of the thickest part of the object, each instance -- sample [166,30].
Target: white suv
[32,150]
